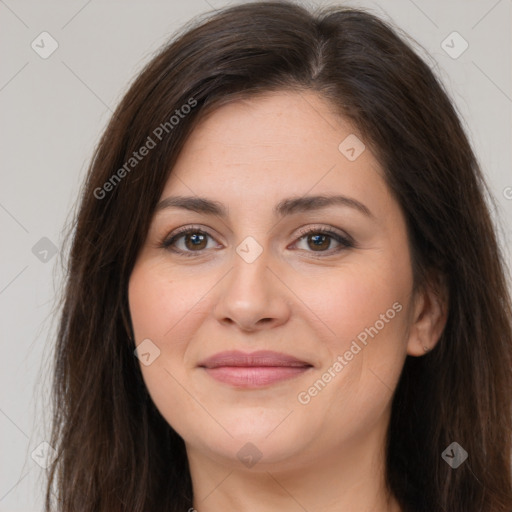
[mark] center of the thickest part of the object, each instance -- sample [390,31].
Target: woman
[285,289]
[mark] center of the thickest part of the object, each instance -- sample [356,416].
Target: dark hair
[115,451]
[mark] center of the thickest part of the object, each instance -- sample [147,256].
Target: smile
[257,369]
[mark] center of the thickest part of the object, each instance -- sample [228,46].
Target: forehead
[273,145]
[269,123]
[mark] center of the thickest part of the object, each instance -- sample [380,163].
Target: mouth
[253,370]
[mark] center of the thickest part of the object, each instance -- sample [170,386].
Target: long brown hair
[115,451]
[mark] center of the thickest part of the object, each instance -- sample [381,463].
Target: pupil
[196,239]
[316,239]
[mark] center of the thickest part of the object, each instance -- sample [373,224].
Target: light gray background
[53,111]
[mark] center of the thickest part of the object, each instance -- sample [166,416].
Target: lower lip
[255,376]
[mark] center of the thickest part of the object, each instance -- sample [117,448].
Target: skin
[328,454]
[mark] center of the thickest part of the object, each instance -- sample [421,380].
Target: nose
[252,296]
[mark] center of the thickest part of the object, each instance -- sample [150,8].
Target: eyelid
[326,230]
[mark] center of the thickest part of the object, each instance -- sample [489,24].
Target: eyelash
[344,241]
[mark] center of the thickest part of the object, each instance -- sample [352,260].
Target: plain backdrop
[54,109]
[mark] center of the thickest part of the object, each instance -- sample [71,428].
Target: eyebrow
[288,206]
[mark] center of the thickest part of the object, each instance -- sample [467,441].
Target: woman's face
[256,273]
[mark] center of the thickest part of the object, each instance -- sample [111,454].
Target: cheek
[362,366]
[157,302]
[160,311]
[367,310]
[362,299]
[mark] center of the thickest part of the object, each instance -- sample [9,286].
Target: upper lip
[259,358]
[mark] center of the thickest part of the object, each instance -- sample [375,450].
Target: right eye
[195,240]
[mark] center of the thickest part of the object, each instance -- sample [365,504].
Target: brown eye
[194,241]
[320,240]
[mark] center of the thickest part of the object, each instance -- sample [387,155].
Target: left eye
[196,240]
[319,238]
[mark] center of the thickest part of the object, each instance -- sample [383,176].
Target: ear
[430,312]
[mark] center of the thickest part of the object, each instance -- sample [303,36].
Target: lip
[255,369]
[259,358]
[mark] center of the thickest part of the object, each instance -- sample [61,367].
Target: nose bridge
[251,294]
[249,279]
